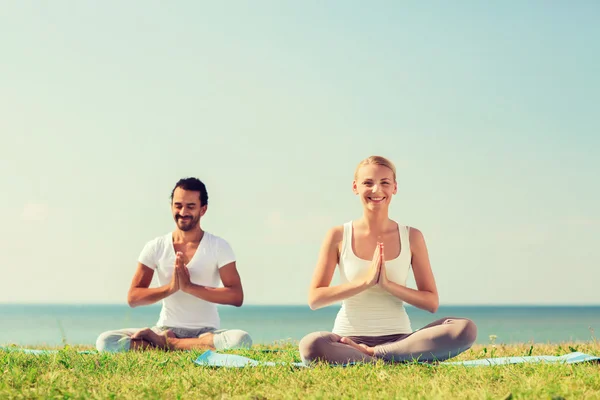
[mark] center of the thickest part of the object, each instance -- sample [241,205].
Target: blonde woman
[374,255]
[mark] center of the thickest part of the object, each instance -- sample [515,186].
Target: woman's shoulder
[335,234]
[410,229]
[415,237]
[414,234]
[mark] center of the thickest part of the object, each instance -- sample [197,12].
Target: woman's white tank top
[373,312]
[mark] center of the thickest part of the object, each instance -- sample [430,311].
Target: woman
[374,255]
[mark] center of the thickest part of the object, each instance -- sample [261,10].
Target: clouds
[34,212]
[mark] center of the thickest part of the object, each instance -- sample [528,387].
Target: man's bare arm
[231,294]
[140,294]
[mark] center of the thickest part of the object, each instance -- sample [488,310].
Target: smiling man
[189,263]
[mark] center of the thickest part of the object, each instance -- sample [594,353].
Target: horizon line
[158,304]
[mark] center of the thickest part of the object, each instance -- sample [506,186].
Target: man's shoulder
[215,240]
[220,248]
[153,250]
[160,241]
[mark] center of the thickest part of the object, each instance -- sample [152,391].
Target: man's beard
[186,223]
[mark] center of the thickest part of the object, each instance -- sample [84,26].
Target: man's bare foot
[158,341]
[170,333]
[361,347]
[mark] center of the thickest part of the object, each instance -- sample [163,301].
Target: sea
[61,324]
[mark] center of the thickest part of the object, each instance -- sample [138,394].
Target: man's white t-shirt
[182,310]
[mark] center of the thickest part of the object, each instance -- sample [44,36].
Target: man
[189,263]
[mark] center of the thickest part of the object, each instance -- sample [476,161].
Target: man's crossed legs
[166,338]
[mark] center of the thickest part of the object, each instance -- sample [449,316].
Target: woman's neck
[375,222]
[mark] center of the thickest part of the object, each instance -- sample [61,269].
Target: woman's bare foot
[361,347]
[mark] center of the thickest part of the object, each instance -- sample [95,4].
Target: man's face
[186,209]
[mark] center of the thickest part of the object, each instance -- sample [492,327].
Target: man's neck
[192,236]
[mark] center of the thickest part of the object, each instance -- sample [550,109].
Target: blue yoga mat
[570,358]
[38,352]
[213,359]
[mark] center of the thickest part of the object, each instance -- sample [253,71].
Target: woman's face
[375,185]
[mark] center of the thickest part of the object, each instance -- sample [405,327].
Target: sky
[487,110]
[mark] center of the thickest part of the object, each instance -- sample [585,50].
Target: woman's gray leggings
[438,341]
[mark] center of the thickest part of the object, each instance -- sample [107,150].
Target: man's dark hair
[193,185]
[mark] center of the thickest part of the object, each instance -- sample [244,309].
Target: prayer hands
[373,275]
[377,273]
[182,272]
[174,284]
[383,279]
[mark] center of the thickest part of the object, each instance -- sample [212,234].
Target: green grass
[162,375]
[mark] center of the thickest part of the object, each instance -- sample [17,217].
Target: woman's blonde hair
[377,160]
